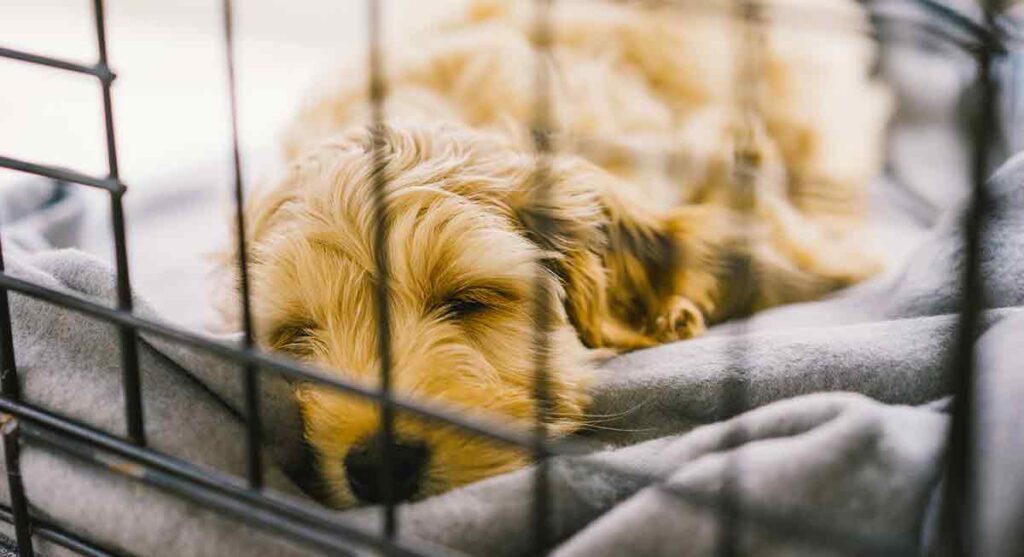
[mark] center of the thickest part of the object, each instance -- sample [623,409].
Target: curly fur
[635,259]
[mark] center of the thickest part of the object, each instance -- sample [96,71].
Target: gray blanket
[867,462]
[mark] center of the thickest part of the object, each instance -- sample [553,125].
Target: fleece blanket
[870,462]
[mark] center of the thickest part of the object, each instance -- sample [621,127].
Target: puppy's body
[635,258]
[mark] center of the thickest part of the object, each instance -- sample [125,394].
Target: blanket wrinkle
[865,443]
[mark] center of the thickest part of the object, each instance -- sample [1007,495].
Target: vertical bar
[959,513]
[743,200]
[377,94]
[12,450]
[541,134]
[129,346]
[253,427]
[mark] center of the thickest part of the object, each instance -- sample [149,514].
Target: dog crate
[987,39]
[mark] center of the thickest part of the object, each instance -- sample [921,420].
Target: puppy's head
[463,269]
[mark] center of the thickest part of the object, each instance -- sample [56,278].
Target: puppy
[771,196]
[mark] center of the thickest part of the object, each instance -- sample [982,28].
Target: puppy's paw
[682,319]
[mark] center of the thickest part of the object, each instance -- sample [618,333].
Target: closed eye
[460,307]
[474,301]
[293,337]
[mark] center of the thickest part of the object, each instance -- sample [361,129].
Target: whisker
[616,415]
[620,429]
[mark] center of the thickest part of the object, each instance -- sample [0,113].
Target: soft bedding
[869,461]
[841,417]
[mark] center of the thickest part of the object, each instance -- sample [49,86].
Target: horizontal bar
[824,19]
[99,70]
[62,174]
[134,461]
[241,503]
[55,534]
[964,37]
[493,431]
[142,461]
[562,447]
[979,30]
[225,483]
[286,367]
[943,12]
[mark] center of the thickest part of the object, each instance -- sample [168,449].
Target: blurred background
[171,112]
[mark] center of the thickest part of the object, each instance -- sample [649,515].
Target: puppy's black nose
[364,463]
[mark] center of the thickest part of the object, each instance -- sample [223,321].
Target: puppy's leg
[637,276]
[661,276]
[670,274]
[616,256]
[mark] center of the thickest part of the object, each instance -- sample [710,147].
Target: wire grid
[247,502]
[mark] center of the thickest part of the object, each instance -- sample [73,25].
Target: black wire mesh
[959,512]
[743,201]
[250,371]
[382,272]
[247,502]
[541,131]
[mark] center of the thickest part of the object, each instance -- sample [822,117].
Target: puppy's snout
[365,461]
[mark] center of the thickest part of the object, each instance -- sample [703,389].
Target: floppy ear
[614,255]
[264,212]
[620,260]
[561,212]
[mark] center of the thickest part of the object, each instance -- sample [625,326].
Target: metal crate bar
[985,32]
[493,431]
[541,131]
[377,94]
[822,19]
[286,367]
[226,484]
[242,503]
[11,389]
[61,537]
[743,199]
[60,174]
[129,339]
[960,498]
[224,493]
[12,461]
[101,72]
[251,372]
[125,458]
[128,459]
[127,450]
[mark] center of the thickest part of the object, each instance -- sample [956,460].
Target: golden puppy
[634,258]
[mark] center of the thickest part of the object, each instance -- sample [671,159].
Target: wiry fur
[635,259]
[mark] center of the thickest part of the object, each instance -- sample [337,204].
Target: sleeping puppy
[633,258]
